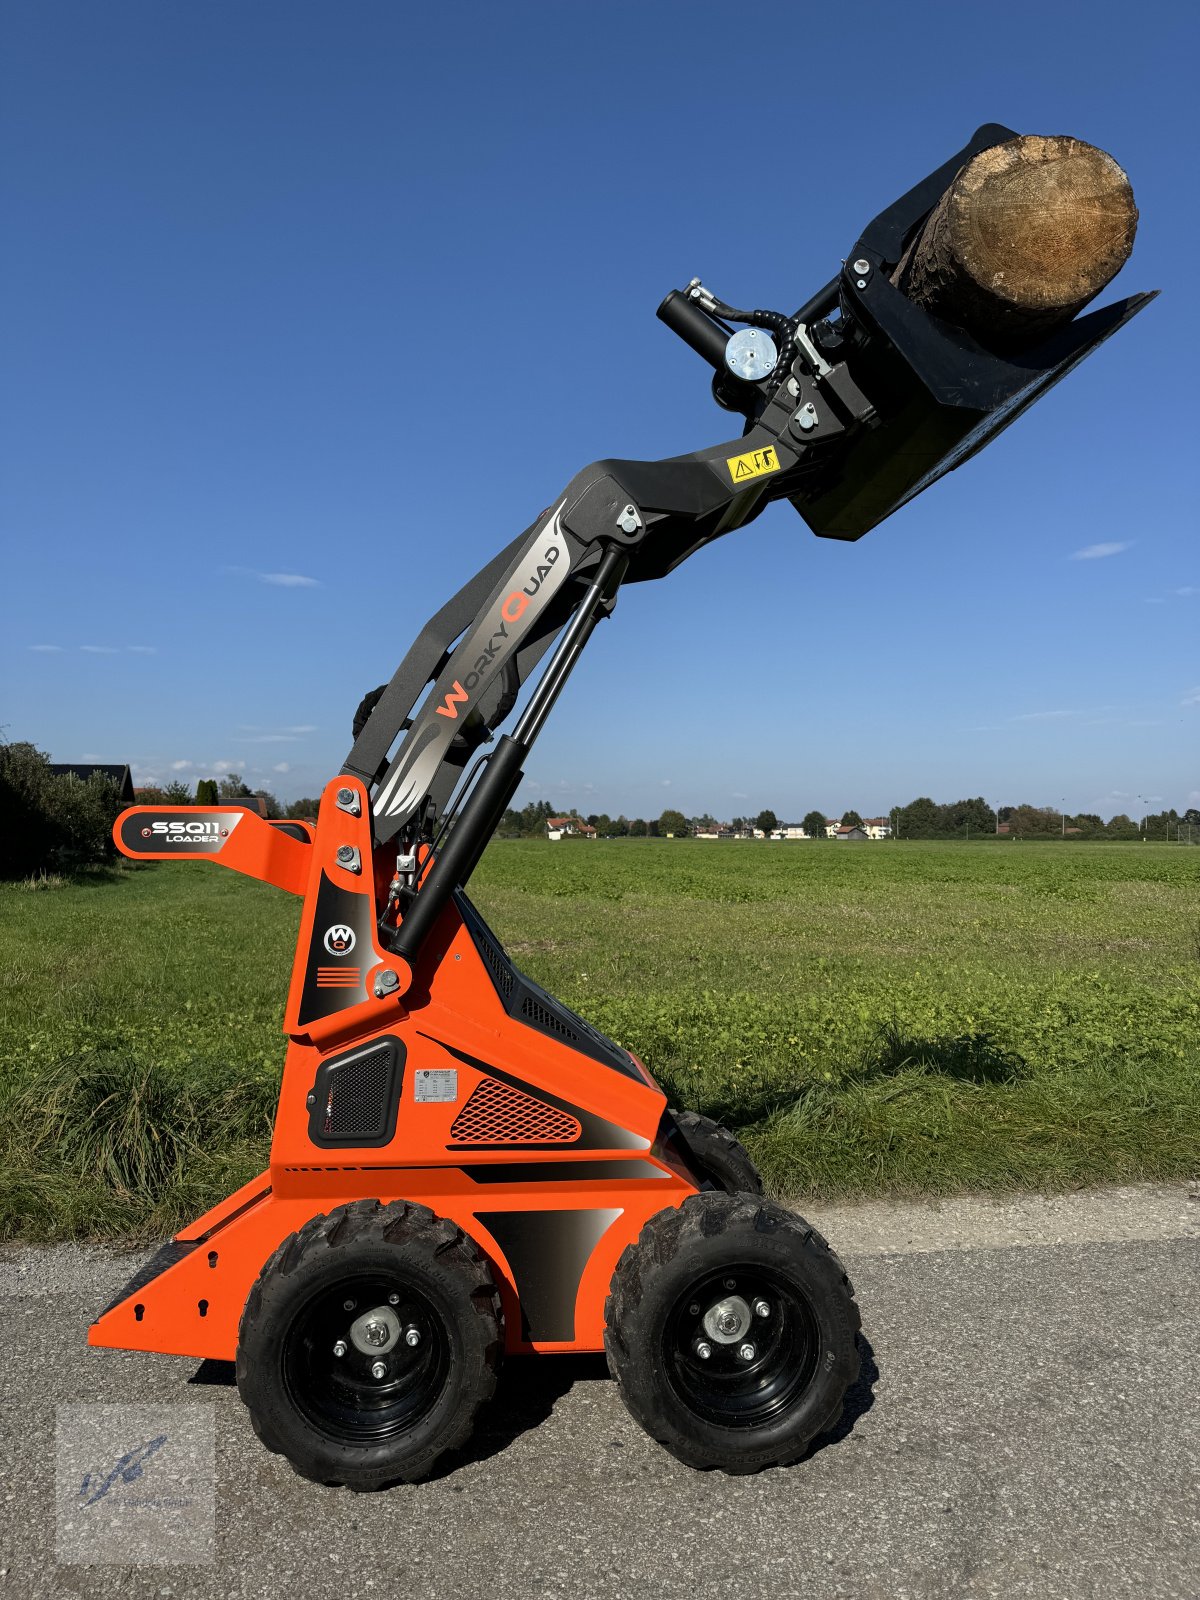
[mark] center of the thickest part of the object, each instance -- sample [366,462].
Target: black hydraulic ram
[503,770]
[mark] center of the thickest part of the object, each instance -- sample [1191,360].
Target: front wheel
[731,1330]
[368,1344]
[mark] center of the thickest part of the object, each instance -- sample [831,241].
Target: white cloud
[288,580]
[281,766]
[47,649]
[99,649]
[1188,589]
[267,738]
[1097,552]
[181,766]
[142,649]
[302,727]
[1043,716]
[1192,697]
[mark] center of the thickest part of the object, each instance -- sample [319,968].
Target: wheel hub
[377,1329]
[728,1319]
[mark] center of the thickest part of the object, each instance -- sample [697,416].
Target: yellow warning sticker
[754,464]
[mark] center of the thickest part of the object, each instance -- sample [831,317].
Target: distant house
[850,833]
[83,770]
[832,824]
[568,827]
[877,827]
[719,832]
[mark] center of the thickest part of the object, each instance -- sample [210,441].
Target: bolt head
[387,981]
[862,267]
[345,797]
[378,1370]
[412,1337]
[731,1283]
[746,1351]
[345,852]
[762,1308]
[348,1305]
[728,1323]
[377,1333]
[703,1349]
[393,1299]
[694,1309]
[339,1348]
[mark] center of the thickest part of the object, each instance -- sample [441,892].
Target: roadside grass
[878,1019]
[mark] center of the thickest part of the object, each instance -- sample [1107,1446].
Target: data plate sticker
[438,1085]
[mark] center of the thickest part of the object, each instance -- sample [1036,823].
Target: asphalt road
[1027,1424]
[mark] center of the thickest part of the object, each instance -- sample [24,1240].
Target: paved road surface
[1026,1425]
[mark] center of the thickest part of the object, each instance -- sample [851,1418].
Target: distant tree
[273,808]
[619,827]
[1121,827]
[851,819]
[766,821]
[637,829]
[232,787]
[738,824]
[149,794]
[602,823]
[178,793]
[1192,817]
[652,828]
[962,817]
[207,793]
[1034,821]
[49,822]
[919,819]
[306,810]
[673,822]
[814,824]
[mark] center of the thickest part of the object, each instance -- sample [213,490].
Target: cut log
[1027,234]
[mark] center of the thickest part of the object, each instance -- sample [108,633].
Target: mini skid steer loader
[462,1168]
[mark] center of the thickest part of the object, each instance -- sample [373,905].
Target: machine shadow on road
[529,1387]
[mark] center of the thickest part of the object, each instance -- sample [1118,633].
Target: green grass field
[872,1019]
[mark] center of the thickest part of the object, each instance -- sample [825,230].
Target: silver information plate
[441,1084]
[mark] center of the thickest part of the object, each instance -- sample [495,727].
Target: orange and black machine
[462,1168]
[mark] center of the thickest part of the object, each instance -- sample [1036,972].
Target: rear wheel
[720,1158]
[731,1331]
[368,1344]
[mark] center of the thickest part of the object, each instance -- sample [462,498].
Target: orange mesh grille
[498,1114]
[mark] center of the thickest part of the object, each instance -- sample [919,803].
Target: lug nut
[746,1351]
[693,1310]
[703,1349]
[862,266]
[339,1348]
[761,1308]
[730,1283]
[348,1305]
[376,1333]
[393,1299]
[728,1323]
[378,1370]
[412,1337]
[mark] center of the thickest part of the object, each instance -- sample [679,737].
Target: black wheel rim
[340,1393]
[758,1366]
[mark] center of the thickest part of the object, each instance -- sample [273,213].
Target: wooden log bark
[1026,235]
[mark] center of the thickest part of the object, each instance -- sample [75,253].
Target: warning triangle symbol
[744,470]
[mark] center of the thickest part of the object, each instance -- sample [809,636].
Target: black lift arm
[851,407]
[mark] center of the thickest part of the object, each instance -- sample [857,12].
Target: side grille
[498,1114]
[354,1098]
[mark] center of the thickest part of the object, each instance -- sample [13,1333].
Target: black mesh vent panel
[354,1099]
[542,1017]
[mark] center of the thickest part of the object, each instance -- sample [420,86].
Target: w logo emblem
[339,940]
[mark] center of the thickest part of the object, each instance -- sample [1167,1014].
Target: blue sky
[309,308]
